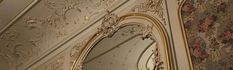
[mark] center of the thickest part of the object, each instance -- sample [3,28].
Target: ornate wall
[48,34]
[35,28]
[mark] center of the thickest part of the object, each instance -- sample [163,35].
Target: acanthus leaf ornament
[147,32]
[56,64]
[157,59]
[76,48]
[9,43]
[109,25]
[153,6]
[80,66]
[63,7]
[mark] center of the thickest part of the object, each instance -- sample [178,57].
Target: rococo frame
[111,23]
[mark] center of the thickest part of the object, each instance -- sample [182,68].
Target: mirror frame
[112,23]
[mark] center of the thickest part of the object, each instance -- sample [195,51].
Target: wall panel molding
[77,32]
[18,16]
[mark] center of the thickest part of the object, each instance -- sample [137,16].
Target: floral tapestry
[209,29]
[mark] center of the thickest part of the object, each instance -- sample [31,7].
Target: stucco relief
[57,64]
[109,25]
[65,59]
[45,29]
[158,63]
[58,21]
[61,8]
[147,32]
[13,51]
[76,50]
[8,46]
[152,6]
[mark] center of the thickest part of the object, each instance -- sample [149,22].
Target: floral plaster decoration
[209,28]
[56,64]
[152,6]
[7,52]
[66,6]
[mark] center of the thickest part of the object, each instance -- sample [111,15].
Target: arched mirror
[125,50]
[130,42]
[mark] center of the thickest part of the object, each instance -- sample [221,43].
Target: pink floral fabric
[209,29]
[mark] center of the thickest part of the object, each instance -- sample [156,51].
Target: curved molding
[153,28]
[69,36]
[152,6]
[180,5]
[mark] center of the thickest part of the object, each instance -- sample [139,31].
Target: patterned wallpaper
[209,30]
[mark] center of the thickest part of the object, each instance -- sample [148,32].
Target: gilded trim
[59,45]
[98,35]
[184,34]
[143,52]
[160,28]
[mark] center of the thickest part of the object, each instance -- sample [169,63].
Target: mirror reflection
[125,50]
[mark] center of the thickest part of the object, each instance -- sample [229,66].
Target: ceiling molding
[71,36]
[25,10]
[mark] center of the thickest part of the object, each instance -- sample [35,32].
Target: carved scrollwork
[158,63]
[12,51]
[154,6]
[8,46]
[57,64]
[147,32]
[102,3]
[10,35]
[67,5]
[109,25]
[80,66]
[76,50]
[150,5]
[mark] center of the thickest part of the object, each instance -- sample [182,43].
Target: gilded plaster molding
[76,48]
[147,32]
[57,21]
[114,23]
[57,64]
[109,25]
[157,59]
[153,6]
[180,5]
